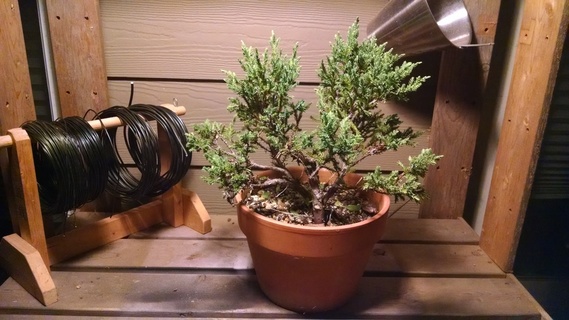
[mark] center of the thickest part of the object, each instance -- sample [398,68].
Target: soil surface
[346,207]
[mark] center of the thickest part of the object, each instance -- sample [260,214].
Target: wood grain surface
[543,30]
[196,39]
[76,39]
[238,296]
[416,271]
[16,100]
[25,201]
[456,116]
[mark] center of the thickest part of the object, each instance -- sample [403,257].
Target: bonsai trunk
[317,195]
[317,211]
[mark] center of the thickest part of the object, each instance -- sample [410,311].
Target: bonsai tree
[354,79]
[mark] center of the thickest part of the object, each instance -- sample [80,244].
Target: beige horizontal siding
[196,39]
[177,49]
[209,101]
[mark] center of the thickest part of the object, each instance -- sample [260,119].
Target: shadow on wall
[542,259]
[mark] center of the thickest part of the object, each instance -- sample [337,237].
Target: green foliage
[229,168]
[264,104]
[404,183]
[355,78]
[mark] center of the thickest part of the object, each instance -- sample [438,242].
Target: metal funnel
[417,26]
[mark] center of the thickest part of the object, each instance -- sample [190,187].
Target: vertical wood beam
[16,101]
[456,115]
[543,30]
[26,200]
[172,205]
[77,44]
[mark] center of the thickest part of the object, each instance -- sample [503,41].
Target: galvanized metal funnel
[417,26]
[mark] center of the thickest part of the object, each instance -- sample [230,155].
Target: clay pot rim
[311,229]
[322,230]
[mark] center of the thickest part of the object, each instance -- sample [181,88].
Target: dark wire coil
[74,164]
[175,160]
[142,144]
[93,157]
[62,179]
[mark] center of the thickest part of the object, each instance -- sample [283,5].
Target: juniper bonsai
[354,79]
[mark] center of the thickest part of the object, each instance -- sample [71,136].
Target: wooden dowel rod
[5,141]
[114,122]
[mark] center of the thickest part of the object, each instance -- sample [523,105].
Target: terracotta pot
[311,269]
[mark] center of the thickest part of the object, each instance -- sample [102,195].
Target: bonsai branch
[282,171]
[350,128]
[270,183]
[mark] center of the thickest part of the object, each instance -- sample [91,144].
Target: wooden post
[543,30]
[16,101]
[172,199]
[25,260]
[456,115]
[78,55]
[173,207]
[25,192]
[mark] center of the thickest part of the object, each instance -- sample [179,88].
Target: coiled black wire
[61,176]
[174,130]
[93,157]
[74,164]
[142,144]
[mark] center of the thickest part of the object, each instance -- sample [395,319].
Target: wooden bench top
[421,268]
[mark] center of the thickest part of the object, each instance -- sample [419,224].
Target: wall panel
[209,101]
[177,49]
[196,39]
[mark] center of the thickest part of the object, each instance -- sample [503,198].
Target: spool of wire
[175,160]
[61,175]
[142,145]
[74,164]
[93,157]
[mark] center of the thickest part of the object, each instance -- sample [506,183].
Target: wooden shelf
[173,272]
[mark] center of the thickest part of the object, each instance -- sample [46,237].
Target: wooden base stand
[24,263]
[27,254]
[165,209]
